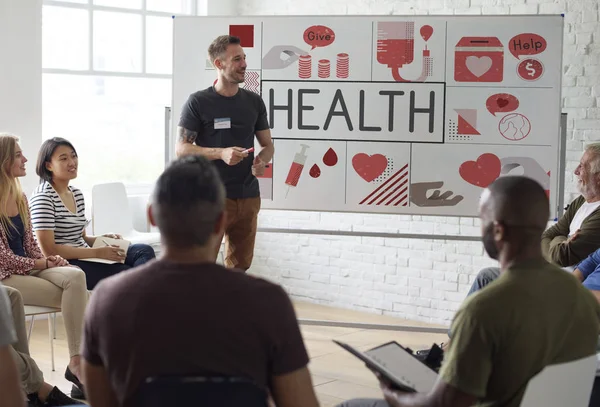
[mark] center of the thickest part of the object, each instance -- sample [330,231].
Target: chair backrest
[565,384]
[200,391]
[110,209]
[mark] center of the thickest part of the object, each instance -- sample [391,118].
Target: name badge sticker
[223,123]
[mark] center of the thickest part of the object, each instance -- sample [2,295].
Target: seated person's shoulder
[479,306]
[493,303]
[43,190]
[76,191]
[263,295]
[261,286]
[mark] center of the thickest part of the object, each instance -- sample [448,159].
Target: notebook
[102,241]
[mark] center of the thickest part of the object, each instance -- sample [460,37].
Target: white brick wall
[417,279]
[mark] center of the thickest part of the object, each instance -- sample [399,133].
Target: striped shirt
[48,212]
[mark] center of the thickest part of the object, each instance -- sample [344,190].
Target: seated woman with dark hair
[59,222]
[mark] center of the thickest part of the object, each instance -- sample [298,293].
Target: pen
[250,150]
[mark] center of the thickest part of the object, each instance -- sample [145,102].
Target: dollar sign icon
[530,69]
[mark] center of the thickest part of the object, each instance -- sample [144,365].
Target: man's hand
[390,395]
[573,236]
[578,274]
[258,167]
[56,261]
[233,155]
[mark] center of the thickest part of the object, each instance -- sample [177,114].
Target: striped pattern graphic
[48,212]
[393,192]
[252,82]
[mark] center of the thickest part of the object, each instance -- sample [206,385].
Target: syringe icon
[296,169]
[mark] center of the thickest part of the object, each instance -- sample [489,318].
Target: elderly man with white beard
[577,233]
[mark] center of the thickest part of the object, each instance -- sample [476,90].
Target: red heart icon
[502,102]
[482,172]
[369,167]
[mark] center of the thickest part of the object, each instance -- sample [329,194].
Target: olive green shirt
[535,314]
[554,240]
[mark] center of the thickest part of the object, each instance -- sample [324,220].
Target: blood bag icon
[396,48]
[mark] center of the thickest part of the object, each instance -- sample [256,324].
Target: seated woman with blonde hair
[59,221]
[47,281]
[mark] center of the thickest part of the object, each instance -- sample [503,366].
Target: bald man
[535,314]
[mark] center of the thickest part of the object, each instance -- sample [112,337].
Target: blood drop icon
[330,158]
[315,171]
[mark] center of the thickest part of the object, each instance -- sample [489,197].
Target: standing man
[220,123]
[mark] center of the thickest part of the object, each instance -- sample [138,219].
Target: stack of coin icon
[343,66]
[324,68]
[304,66]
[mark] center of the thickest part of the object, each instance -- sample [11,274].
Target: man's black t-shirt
[237,119]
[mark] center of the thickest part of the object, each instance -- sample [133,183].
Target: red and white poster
[392,114]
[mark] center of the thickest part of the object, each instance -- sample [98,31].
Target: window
[169,6]
[117,50]
[65,45]
[135,4]
[116,124]
[159,44]
[107,68]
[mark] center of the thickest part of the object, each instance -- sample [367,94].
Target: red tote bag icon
[479,59]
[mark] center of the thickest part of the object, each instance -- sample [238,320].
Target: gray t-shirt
[222,122]
[8,336]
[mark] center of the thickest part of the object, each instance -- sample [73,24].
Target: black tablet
[374,365]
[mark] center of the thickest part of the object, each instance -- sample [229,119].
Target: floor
[337,375]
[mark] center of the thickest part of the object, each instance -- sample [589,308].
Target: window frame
[132,188]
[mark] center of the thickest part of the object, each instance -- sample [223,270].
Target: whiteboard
[392,114]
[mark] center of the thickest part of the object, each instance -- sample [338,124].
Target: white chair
[111,213]
[32,311]
[565,384]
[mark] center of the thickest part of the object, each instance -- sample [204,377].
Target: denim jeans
[137,254]
[484,277]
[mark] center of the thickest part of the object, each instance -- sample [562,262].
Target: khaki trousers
[31,376]
[240,232]
[60,287]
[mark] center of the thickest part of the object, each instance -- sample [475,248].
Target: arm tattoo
[187,136]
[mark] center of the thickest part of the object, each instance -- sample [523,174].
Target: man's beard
[587,190]
[488,242]
[233,79]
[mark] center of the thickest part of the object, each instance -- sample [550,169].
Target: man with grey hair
[577,233]
[186,315]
